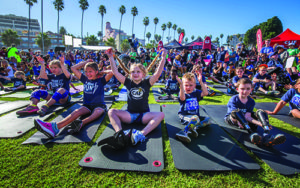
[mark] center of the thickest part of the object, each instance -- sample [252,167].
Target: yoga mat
[13,105]
[283,158]
[8,92]
[12,126]
[146,156]
[212,150]
[122,94]
[73,91]
[86,134]
[156,94]
[20,94]
[281,115]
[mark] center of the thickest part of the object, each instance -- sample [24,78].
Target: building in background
[235,40]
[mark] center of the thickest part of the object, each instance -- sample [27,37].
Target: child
[59,95]
[292,96]
[2,77]
[262,81]
[19,82]
[93,101]
[171,89]
[138,88]
[240,113]
[218,73]
[189,106]
[249,68]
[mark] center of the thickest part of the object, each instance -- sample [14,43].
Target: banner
[259,40]
[77,43]
[160,46]
[180,37]
[207,43]
[68,40]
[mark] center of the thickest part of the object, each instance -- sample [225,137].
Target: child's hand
[62,60]
[178,80]
[164,52]
[35,83]
[109,52]
[269,112]
[40,60]
[199,77]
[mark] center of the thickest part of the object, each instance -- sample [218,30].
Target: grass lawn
[56,165]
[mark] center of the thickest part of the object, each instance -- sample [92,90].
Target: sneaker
[137,137]
[163,97]
[271,140]
[270,92]
[45,128]
[206,122]
[276,93]
[160,90]
[191,126]
[174,96]
[43,110]
[75,126]
[183,136]
[255,138]
[28,110]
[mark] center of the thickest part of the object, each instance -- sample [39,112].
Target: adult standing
[293,52]
[267,49]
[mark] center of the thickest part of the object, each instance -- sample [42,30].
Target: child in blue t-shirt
[19,81]
[93,101]
[240,114]
[58,92]
[262,81]
[171,89]
[292,96]
[188,113]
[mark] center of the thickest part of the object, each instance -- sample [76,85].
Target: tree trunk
[101,29]
[132,25]
[155,30]
[29,29]
[120,31]
[57,25]
[162,38]
[169,36]
[174,34]
[82,26]
[145,34]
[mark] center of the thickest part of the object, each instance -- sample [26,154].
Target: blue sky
[197,17]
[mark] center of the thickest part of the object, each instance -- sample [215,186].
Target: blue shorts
[136,117]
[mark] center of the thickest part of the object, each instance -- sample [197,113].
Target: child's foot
[174,96]
[43,110]
[45,128]
[28,110]
[206,122]
[191,126]
[183,136]
[271,140]
[276,93]
[75,126]
[137,136]
[255,138]
[163,97]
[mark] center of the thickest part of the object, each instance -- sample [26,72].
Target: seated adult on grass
[93,101]
[59,79]
[292,96]
[240,114]
[188,113]
[19,82]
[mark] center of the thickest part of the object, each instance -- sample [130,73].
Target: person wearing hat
[262,81]
[282,54]
[293,52]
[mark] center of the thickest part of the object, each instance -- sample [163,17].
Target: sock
[54,127]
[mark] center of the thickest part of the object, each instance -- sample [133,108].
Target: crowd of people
[243,71]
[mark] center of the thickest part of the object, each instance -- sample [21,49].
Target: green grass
[56,165]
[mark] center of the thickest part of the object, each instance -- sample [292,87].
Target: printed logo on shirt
[296,100]
[57,84]
[173,86]
[90,88]
[137,93]
[191,104]
[18,83]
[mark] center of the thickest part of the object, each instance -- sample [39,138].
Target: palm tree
[122,10]
[59,6]
[110,42]
[178,31]
[221,36]
[40,38]
[169,25]
[102,11]
[83,5]
[10,36]
[146,23]
[174,27]
[155,20]
[99,34]
[134,12]
[92,40]
[62,30]
[210,36]
[158,38]
[29,3]
[192,37]
[186,39]
[163,28]
[148,35]
[238,36]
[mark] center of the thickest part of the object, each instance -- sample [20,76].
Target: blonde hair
[140,66]
[189,76]
[244,81]
[19,73]
[55,62]
[262,67]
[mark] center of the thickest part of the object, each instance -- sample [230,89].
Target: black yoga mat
[12,126]
[85,135]
[281,115]
[212,150]
[146,156]
[283,158]
[10,106]
[156,94]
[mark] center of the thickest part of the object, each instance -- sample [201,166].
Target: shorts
[137,117]
[58,103]
[92,107]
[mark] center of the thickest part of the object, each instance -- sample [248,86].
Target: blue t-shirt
[292,96]
[235,79]
[36,70]
[221,56]
[249,68]
[267,50]
[93,90]
[210,56]
[172,85]
[190,106]
[235,103]
[258,76]
[43,82]
[18,82]
[197,81]
[232,58]
[51,55]
[59,81]
[113,80]
[2,80]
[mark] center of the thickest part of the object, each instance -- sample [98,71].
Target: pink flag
[207,43]
[259,40]
[180,37]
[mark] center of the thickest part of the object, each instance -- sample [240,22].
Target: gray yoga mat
[86,134]
[212,150]
[156,94]
[13,105]
[146,156]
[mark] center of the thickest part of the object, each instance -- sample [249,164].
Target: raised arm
[63,67]
[109,75]
[203,87]
[181,93]
[160,68]
[278,107]
[43,73]
[76,68]
[114,68]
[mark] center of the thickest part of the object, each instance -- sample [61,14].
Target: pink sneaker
[45,128]
[28,110]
